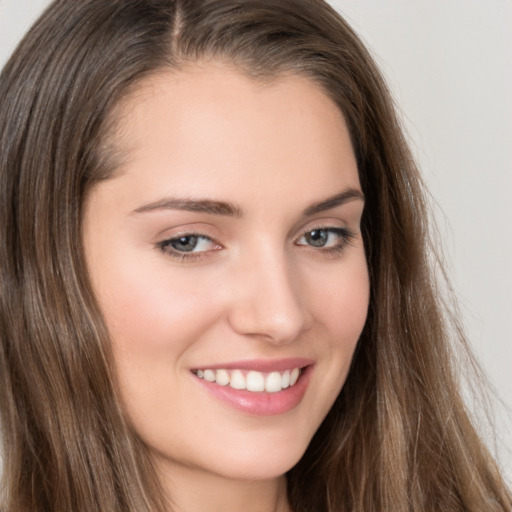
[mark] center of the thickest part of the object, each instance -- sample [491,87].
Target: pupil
[317,237]
[185,243]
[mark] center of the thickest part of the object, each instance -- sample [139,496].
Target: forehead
[212,125]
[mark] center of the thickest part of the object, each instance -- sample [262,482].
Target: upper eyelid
[200,233]
[340,230]
[327,225]
[326,221]
[197,234]
[173,233]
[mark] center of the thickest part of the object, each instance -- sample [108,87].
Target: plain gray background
[449,66]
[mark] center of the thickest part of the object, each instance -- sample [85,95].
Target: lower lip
[261,403]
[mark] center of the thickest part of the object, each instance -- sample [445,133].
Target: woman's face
[228,248]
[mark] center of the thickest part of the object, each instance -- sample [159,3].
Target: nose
[267,302]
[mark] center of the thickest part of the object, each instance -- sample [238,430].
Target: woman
[215,281]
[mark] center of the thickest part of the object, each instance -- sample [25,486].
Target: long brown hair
[398,437]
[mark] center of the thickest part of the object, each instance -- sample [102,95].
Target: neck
[191,490]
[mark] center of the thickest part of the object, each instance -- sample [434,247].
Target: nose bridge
[267,301]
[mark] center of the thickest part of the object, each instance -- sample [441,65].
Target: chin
[249,461]
[270,465]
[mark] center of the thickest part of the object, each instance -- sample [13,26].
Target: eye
[188,245]
[328,238]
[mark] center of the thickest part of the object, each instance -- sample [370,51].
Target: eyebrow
[350,194]
[193,205]
[228,209]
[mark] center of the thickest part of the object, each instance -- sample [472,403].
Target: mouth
[253,381]
[259,388]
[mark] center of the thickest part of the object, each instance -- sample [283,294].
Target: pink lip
[261,365]
[261,403]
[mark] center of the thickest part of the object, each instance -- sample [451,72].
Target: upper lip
[260,365]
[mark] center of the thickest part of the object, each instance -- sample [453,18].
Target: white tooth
[255,381]
[222,377]
[200,374]
[209,375]
[294,375]
[285,379]
[237,380]
[273,383]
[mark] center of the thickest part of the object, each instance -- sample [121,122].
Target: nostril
[270,326]
[266,302]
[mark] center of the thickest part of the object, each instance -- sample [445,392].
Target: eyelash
[168,250]
[345,238]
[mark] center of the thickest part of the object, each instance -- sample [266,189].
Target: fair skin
[229,242]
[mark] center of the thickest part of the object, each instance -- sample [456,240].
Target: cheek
[153,313]
[341,299]
[154,319]
[345,311]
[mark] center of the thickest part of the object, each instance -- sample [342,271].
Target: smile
[260,388]
[252,380]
